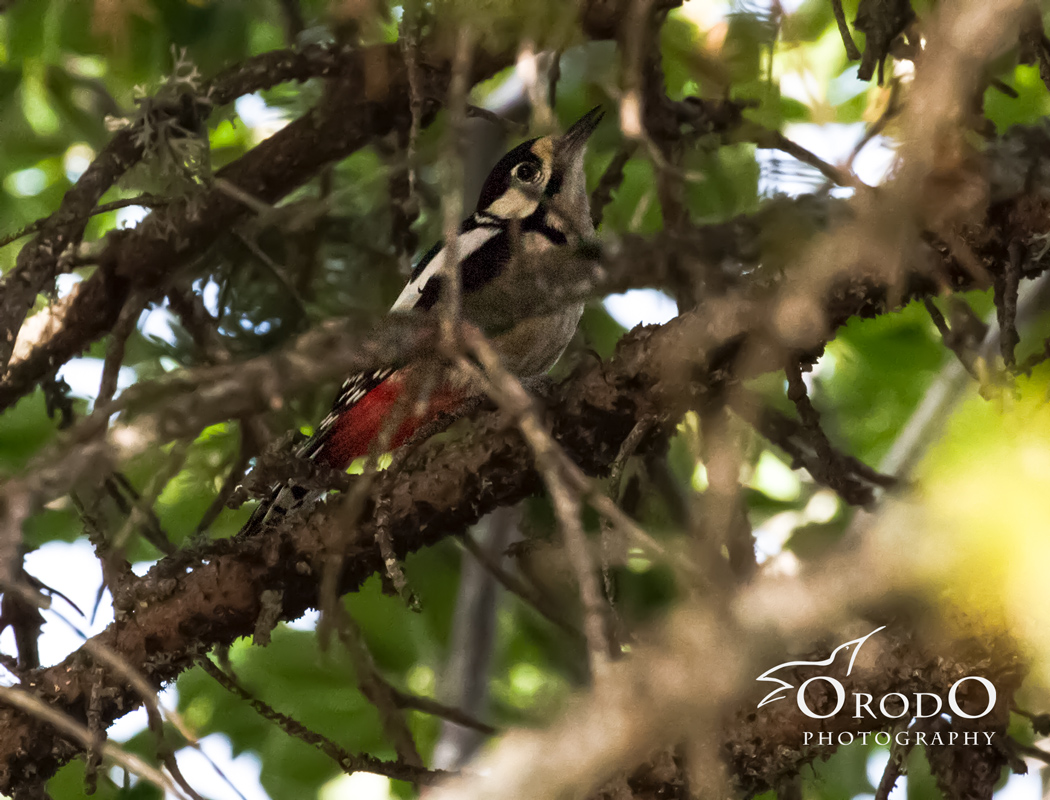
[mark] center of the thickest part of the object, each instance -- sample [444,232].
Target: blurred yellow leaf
[981,534]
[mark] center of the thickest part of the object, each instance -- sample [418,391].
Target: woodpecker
[533,200]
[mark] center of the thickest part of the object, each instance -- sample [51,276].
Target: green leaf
[1030,106]
[881,369]
[25,429]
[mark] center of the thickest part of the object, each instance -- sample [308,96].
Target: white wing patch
[466,244]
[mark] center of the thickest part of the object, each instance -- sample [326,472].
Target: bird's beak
[575,139]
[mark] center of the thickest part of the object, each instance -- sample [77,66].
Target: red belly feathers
[353,434]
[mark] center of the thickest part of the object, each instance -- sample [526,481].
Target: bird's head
[544,172]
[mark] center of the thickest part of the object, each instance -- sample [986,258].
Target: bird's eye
[526,172]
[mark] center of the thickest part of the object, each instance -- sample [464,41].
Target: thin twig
[1006,302]
[856,478]
[166,754]
[94,724]
[293,20]
[518,587]
[274,269]
[939,322]
[376,689]
[775,140]
[350,510]
[246,450]
[1040,722]
[235,192]
[627,449]
[927,421]
[408,39]
[452,201]
[390,560]
[129,501]
[146,200]
[511,396]
[203,328]
[604,505]
[553,76]
[507,124]
[852,53]
[827,465]
[348,762]
[118,339]
[879,125]
[891,773]
[610,182]
[1005,88]
[528,71]
[1031,751]
[143,503]
[952,341]
[567,509]
[403,177]
[418,385]
[436,709]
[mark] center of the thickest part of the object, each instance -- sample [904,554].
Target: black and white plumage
[534,199]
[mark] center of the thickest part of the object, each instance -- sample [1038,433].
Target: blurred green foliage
[66,66]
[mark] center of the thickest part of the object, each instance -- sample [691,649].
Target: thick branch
[39,261]
[367,100]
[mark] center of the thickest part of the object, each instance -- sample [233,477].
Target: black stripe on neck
[538,222]
[488,261]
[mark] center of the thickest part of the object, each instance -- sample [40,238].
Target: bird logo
[768,677]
